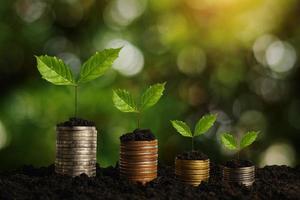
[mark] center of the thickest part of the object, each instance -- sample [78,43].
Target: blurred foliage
[234,58]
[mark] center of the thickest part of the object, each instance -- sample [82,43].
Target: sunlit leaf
[182,128]
[248,139]
[55,70]
[228,141]
[98,64]
[152,95]
[204,124]
[123,100]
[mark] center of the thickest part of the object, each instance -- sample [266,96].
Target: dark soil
[272,182]
[73,121]
[238,163]
[192,155]
[138,135]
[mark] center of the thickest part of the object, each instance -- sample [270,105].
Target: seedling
[57,72]
[125,102]
[231,143]
[202,126]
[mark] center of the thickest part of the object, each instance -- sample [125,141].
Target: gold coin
[193,177]
[191,173]
[133,165]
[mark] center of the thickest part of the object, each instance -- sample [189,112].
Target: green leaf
[152,95]
[98,64]
[248,139]
[124,101]
[205,123]
[55,70]
[228,141]
[182,128]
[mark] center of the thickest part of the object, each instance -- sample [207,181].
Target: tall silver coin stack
[76,149]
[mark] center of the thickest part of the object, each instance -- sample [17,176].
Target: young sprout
[57,72]
[202,126]
[124,101]
[231,143]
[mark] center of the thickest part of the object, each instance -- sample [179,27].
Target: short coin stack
[192,172]
[138,160]
[241,175]
[76,150]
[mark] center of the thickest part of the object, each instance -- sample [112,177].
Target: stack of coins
[242,175]
[192,172]
[76,150]
[138,160]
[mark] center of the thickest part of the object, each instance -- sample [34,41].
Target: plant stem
[192,143]
[239,146]
[138,119]
[75,106]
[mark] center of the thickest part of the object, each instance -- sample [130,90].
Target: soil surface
[272,182]
[192,155]
[138,135]
[73,121]
[238,163]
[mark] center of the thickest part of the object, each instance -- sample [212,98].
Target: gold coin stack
[76,150]
[192,172]
[138,160]
[241,175]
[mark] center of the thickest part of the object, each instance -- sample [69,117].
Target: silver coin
[76,151]
[238,175]
[88,146]
[77,133]
[75,168]
[74,137]
[75,128]
[75,141]
[92,168]
[72,142]
[59,162]
[75,161]
[63,159]
[238,170]
[74,158]
[76,148]
[70,156]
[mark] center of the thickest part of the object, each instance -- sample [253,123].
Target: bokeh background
[239,59]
